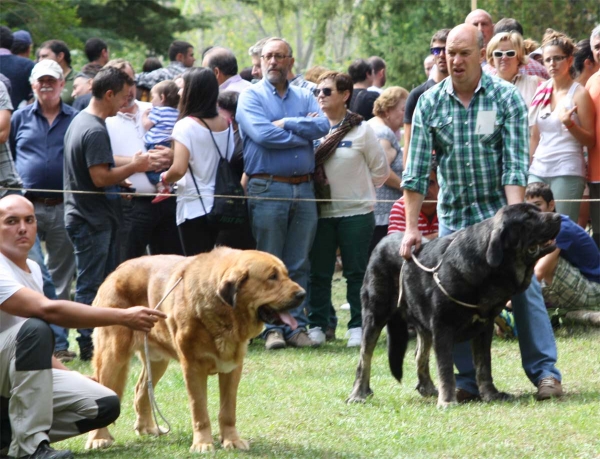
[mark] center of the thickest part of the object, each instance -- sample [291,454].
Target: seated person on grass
[41,401]
[428,222]
[570,276]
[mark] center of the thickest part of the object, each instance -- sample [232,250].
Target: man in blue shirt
[16,68]
[570,276]
[279,123]
[37,140]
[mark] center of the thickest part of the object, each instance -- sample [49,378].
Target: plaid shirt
[473,168]
[149,79]
[9,177]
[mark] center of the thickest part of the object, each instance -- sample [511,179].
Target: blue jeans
[536,338]
[96,258]
[285,229]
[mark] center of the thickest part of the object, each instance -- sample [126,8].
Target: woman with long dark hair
[201,135]
[561,118]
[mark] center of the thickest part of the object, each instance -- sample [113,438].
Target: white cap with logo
[47,67]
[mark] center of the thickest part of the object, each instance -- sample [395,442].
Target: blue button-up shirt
[38,147]
[272,150]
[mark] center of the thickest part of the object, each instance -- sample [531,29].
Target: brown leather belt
[45,201]
[294,180]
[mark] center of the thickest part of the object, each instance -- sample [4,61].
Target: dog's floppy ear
[228,288]
[495,251]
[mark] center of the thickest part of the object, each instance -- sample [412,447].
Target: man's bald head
[13,201]
[18,228]
[483,21]
[463,55]
[223,59]
[468,34]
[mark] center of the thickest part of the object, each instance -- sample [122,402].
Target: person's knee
[35,345]
[109,409]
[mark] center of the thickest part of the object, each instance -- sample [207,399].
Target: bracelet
[570,125]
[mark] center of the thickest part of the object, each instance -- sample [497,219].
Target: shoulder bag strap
[218,152]
[213,137]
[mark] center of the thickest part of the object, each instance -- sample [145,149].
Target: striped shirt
[164,119]
[398,220]
[473,168]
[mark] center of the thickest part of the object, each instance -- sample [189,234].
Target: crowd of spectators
[118,164]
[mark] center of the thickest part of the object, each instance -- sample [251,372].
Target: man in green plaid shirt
[477,126]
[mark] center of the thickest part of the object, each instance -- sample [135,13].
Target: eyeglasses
[437,50]
[277,57]
[326,92]
[500,54]
[556,59]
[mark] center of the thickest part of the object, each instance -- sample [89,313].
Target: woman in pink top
[562,120]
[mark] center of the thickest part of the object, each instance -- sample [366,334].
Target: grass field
[291,404]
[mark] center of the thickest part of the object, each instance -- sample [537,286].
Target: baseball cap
[22,36]
[46,67]
[537,51]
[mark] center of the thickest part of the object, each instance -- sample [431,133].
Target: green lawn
[291,404]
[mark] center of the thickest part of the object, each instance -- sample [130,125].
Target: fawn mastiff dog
[481,266]
[222,301]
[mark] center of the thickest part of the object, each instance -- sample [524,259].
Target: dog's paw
[359,396]
[202,447]
[427,390]
[238,443]
[99,439]
[150,430]
[497,397]
[443,405]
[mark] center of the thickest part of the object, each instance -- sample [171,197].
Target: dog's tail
[397,341]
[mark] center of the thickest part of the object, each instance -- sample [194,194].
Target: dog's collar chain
[436,279]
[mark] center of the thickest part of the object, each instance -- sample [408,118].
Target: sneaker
[64,355]
[86,352]
[330,334]
[317,335]
[549,387]
[274,341]
[354,336]
[302,340]
[462,396]
[45,451]
[504,325]
[345,307]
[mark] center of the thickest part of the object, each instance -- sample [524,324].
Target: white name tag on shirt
[486,121]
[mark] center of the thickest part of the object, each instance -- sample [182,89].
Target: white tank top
[558,153]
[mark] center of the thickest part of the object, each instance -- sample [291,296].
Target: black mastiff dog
[468,278]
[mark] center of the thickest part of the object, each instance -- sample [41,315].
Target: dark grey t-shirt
[413,97]
[87,144]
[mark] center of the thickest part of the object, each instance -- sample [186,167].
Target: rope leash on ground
[152,398]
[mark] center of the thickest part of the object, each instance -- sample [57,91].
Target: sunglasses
[326,92]
[556,59]
[500,54]
[437,50]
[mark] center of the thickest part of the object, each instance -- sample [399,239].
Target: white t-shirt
[204,159]
[13,279]
[126,134]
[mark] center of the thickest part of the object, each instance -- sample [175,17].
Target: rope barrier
[127,195]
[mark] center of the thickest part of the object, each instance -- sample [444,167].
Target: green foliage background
[325,32]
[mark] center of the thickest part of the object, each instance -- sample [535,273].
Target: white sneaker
[316,335]
[354,336]
[345,307]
